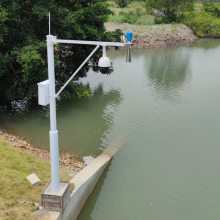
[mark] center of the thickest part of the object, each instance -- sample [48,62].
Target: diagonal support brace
[85,61]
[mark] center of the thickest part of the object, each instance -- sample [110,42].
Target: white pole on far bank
[49,22]
[54,148]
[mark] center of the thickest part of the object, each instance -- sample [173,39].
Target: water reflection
[168,164]
[164,167]
[168,71]
[81,122]
[205,44]
[90,204]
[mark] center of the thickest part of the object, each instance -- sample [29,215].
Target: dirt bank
[69,163]
[155,36]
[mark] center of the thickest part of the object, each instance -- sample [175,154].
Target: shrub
[122,3]
[160,20]
[213,8]
[129,18]
[170,8]
[23,27]
[203,24]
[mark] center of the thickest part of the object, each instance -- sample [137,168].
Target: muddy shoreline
[69,163]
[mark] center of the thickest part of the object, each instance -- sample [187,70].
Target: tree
[170,8]
[122,3]
[24,25]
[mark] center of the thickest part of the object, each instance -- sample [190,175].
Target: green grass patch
[112,4]
[15,165]
[134,13]
[198,6]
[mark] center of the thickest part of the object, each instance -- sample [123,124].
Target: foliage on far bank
[204,23]
[24,26]
[122,3]
[212,8]
[168,10]
[125,3]
[134,13]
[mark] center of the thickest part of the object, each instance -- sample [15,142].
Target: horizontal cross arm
[100,43]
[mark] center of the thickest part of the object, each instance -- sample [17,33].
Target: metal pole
[54,148]
[49,23]
[104,51]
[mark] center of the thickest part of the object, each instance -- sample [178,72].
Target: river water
[163,110]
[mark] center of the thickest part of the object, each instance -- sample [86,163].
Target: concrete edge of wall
[84,183]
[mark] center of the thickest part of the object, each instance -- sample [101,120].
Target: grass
[15,165]
[198,6]
[134,13]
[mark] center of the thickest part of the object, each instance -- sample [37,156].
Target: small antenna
[49,23]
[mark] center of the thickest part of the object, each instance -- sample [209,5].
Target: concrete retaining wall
[84,183]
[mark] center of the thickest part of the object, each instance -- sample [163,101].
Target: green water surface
[163,109]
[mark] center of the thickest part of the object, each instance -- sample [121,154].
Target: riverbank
[156,36]
[18,198]
[70,164]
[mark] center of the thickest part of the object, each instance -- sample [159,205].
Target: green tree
[122,3]
[212,8]
[170,8]
[24,26]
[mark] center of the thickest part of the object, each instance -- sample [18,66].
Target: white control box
[43,93]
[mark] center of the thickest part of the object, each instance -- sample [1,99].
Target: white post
[104,51]
[54,148]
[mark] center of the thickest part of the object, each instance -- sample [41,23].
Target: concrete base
[56,202]
[84,183]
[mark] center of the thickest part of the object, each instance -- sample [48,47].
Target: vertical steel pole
[54,148]
[104,51]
